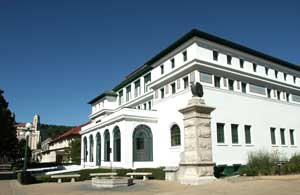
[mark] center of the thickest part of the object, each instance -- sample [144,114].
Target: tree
[8,137]
[74,151]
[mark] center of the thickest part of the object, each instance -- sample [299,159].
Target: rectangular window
[217,82]
[267,70]
[273,136]
[162,93]
[145,106]
[247,134]
[185,82]
[205,77]
[149,105]
[282,136]
[173,63]
[184,55]
[287,97]
[244,87]
[215,55]
[257,89]
[296,98]
[121,97]
[147,80]
[220,133]
[162,69]
[231,84]
[284,76]
[234,134]
[276,74]
[241,63]
[173,88]
[137,88]
[229,58]
[294,79]
[278,95]
[269,93]
[128,93]
[292,137]
[254,67]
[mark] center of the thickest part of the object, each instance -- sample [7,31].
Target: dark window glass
[269,93]
[184,54]
[267,70]
[175,135]
[292,137]
[185,82]
[276,74]
[162,93]
[273,135]
[247,134]
[254,67]
[282,136]
[244,87]
[231,82]
[217,82]
[220,133]
[215,55]
[234,134]
[173,88]
[172,62]
[284,76]
[229,58]
[241,63]
[162,69]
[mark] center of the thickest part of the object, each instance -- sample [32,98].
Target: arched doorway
[84,149]
[91,148]
[117,144]
[106,145]
[142,144]
[98,149]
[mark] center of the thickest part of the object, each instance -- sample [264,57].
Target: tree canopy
[8,137]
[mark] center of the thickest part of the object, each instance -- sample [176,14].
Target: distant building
[34,136]
[55,150]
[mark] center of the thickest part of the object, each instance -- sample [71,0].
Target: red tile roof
[20,124]
[72,132]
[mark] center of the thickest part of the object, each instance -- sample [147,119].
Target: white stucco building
[256,96]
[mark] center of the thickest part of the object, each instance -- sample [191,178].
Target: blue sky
[57,55]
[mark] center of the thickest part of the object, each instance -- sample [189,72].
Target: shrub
[261,163]
[26,178]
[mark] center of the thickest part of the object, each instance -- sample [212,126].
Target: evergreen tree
[8,137]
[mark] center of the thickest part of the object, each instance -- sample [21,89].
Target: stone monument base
[111,182]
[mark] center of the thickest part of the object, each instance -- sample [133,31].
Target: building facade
[34,136]
[56,150]
[256,96]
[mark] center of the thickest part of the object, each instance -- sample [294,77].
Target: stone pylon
[196,165]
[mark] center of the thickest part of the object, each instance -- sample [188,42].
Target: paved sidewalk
[273,185]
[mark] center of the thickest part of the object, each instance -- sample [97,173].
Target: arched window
[106,145]
[91,148]
[85,149]
[98,149]
[142,144]
[117,144]
[175,135]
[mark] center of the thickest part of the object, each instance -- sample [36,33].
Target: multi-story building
[256,96]
[34,136]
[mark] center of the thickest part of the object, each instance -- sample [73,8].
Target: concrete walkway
[275,185]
